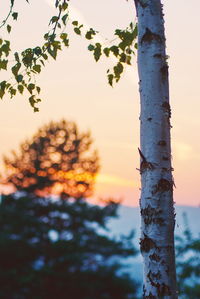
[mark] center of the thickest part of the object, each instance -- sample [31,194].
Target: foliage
[59,249]
[58,159]
[188,265]
[30,62]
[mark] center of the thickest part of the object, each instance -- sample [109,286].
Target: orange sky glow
[75,88]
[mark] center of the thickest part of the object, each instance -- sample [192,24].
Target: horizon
[112,114]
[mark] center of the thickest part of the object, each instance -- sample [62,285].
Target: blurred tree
[58,159]
[188,264]
[60,249]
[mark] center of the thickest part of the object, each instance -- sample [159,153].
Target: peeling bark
[157,211]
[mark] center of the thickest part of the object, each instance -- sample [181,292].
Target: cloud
[115,180]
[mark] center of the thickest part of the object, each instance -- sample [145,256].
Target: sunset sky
[75,88]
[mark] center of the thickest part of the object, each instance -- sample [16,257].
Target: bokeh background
[75,88]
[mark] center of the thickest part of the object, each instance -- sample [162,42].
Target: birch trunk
[157,211]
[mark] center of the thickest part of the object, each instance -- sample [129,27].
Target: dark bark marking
[150,216]
[149,211]
[144,165]
[158,55]
[162,143]
[165,158]
[142,4]
[149,36]
[146,244]
[167,109]
[155,257]
[159,221]
[150,220]
[164,72]
[167,270]
[162,289]
[162,186]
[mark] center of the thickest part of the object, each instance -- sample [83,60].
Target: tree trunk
[157,211]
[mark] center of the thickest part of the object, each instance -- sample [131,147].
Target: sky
[75,88]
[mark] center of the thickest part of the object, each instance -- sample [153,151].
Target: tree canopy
[59,249]
[58,159]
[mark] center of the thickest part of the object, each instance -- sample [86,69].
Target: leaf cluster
[30,62]
[123,51]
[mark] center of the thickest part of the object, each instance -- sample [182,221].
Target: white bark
[157,211]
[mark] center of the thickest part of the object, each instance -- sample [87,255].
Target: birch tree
[157,211]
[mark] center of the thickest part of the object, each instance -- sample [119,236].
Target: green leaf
[64,6]
[123,57]
[37,68]
[2,88]
[38,89]
[3,85]
[20,88]
[97,51]
[75,23]
[12,92]
[28,57]
[37,51]
[64,18]
[15,69]
[44,56]
[1,93]
[89,34]
[135,32]
[19,78]
[30,87]
[66,42]
[118,70]
[9,28]
[128,59]
[91,47]
[16,56]
[54,19]
[3,64]
[32,100]
[110,79]
[106,51]
[53,52]
[42,62]
[15,15]
[5,47]
[115,50]
[63,35]
[77,30]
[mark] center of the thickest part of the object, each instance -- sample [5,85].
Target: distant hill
[129,218]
